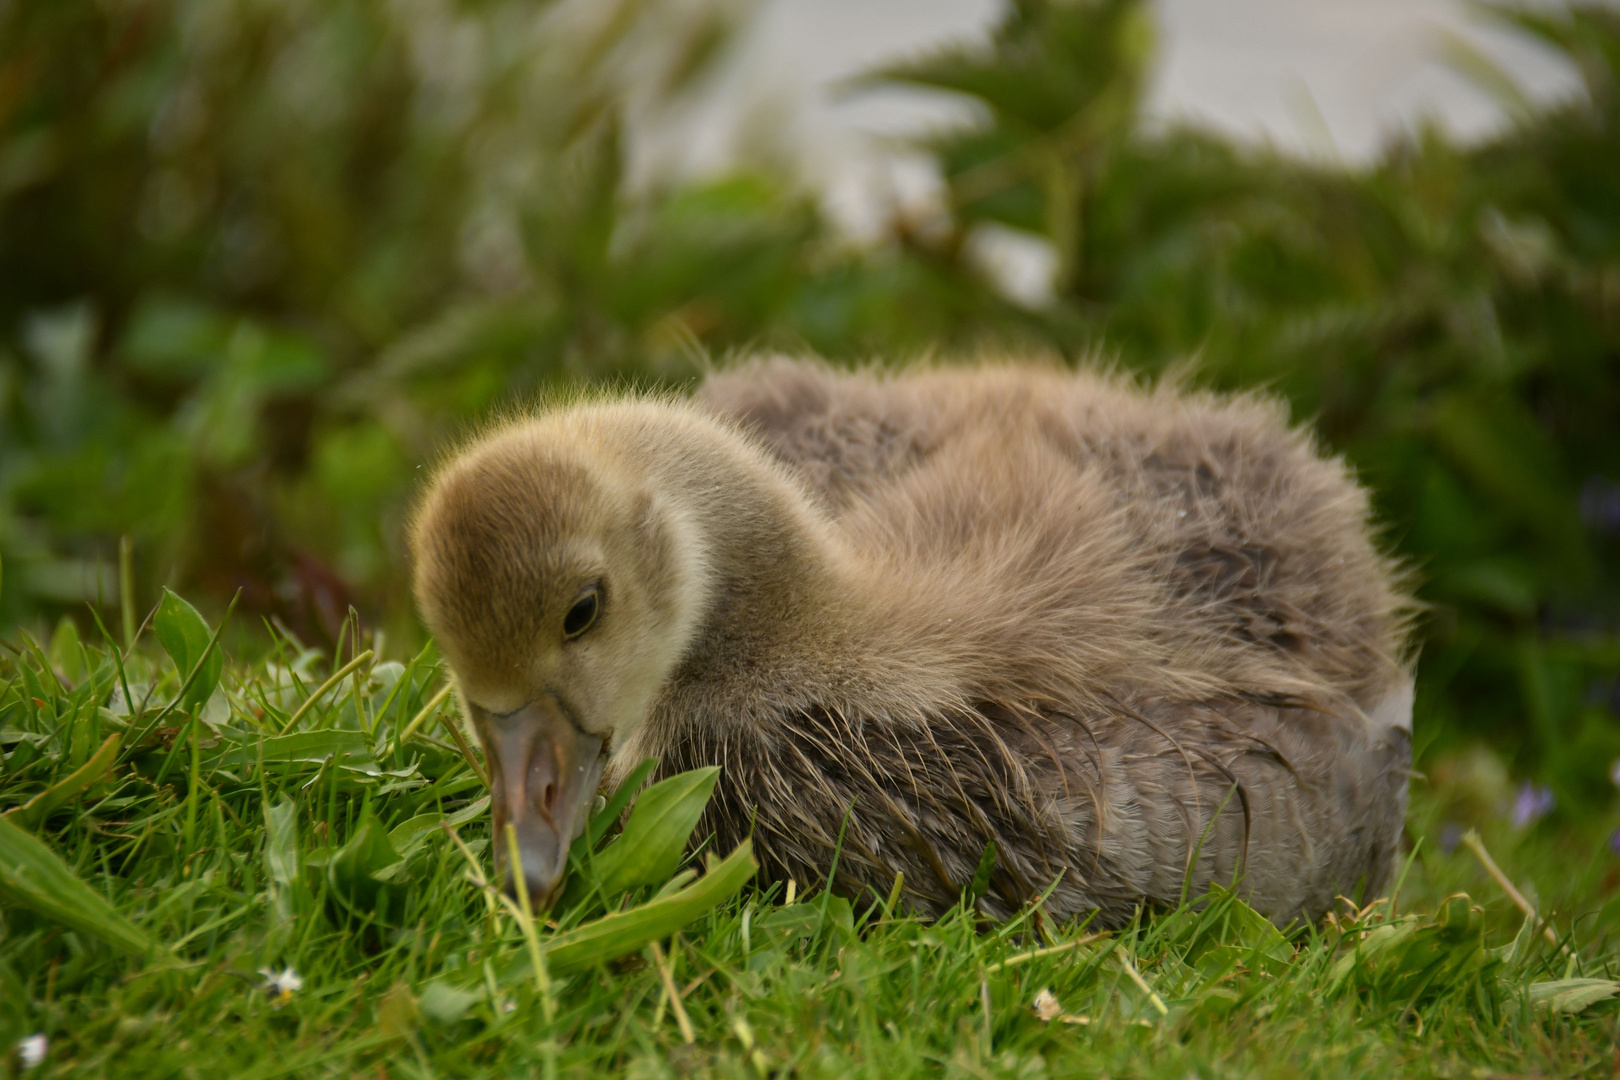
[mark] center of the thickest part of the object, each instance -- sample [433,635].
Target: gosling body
[1141,640]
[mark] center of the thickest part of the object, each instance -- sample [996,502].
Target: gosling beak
[543,774]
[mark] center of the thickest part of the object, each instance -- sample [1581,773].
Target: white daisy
[31,1051]
[283,984]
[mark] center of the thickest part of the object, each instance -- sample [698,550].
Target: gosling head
[562,589]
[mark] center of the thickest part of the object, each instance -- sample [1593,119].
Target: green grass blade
[40,807]
[32,875]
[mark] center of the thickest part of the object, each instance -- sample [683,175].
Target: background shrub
[258,258]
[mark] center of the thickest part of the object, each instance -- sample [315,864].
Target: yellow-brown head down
[560,588]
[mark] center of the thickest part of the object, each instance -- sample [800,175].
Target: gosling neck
[774,617]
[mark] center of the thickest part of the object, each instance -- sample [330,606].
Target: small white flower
[31,1051]
[283,984]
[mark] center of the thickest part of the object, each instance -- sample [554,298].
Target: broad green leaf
[1229,932]
[650,848]
[398,1012]
[37,809]
[408,836]
[792,920]
[28,748]
[354,867]
[445,1003]
[1571,995]
[185,637]
[67,652]
[281,860]
[840,917]
[676,883]
[1414,955]
[1371,948]
[281,841]
[603,819]
[622,933]
[471,812]
[32,876]
[301,746]
[1522,946]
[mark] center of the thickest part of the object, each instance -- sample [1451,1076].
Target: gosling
[1141,640]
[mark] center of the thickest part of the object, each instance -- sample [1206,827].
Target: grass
[216,849]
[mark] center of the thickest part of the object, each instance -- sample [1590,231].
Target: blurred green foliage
[258,259]
[1449,318]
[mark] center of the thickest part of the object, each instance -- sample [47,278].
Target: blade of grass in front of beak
[531,933]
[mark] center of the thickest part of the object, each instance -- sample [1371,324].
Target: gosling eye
[583,614]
